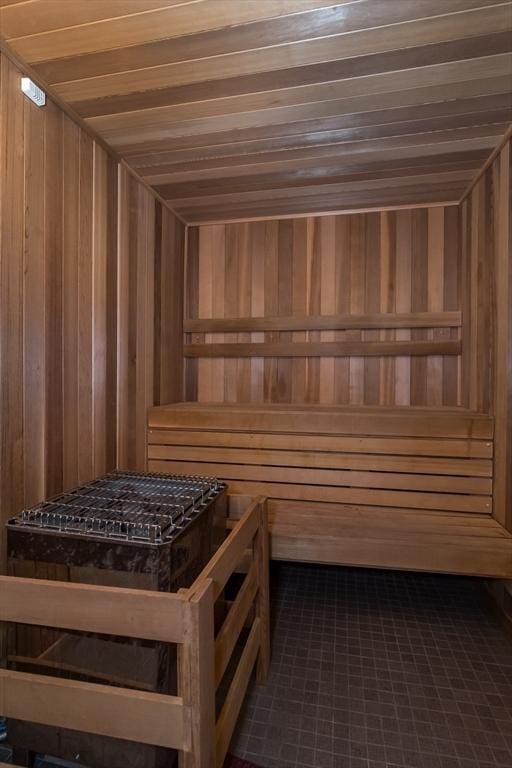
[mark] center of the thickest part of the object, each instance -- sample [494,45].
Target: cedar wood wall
[366,263]
[423,259]
[486,223]
[91,304]
[91,276]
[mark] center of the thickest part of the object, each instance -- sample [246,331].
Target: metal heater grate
[125,506]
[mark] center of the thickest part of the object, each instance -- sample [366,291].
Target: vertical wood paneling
[284,303]
[169,308]
[11,295]
[419,300]
[53,191]
[357,257]
[354,263]
[328,305]
[487,354]
[204,256]
[71,245]
[34,309]
[313,302]
[343,280]
[374,226]
[257,234]
[387,297]
[243,374]
[453,278]
[503,344]
[85,304]
[403,302]
[300,261]
[124,313]
[271,307]
[71,329]
[150,314]
[112,336]
[435,300]
[191,308]
[99,309]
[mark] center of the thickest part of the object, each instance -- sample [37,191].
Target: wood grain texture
[324,349]
[63,304]
[324,322]
[230,85]
[88,707]
[150,268]
[292,270]
[378,517]
[487,244]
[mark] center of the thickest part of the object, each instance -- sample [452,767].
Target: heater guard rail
[185,722]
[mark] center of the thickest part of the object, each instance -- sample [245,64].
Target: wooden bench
[398,487]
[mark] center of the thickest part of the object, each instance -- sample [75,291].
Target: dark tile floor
[376,669]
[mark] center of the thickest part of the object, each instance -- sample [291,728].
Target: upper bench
[395,487]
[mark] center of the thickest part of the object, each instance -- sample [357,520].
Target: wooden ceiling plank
[309,25]
[328,175]
[291,192]
[145,123]
[479,110]
[264,82]
[379,168]
[251,163]
[156,25]
[372,42]
[164,172]
[332,211]
[326,205]
[363,195]
[46,15]
[298,187]
[347,162]
[370,191]
[202,129]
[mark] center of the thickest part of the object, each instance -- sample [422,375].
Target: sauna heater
[127,529]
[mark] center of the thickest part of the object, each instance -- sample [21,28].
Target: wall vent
[33,91]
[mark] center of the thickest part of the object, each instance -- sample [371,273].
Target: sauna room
[256,383]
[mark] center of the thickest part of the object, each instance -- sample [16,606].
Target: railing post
[196,676]
[261,555]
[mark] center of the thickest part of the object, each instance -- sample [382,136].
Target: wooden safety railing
[185,722]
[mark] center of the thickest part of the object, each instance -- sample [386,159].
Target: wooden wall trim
[503,343]
[324,322]
[332,212]
[325,349]
[492,157]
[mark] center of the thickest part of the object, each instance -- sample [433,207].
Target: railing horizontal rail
[91,608]
[231,551]
[150,718]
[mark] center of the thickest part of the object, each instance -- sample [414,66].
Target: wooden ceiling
[252,108]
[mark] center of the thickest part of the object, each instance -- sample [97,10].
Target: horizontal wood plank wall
[487,243]
[63,350]
[405,265]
